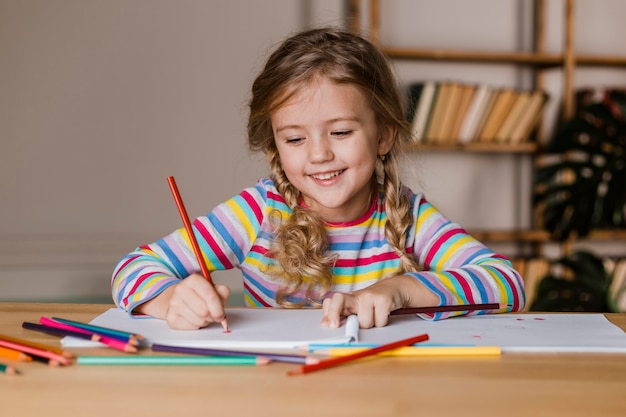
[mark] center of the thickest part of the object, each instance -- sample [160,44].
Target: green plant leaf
[579,184]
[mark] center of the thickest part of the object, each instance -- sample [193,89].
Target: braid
[399,217]
[299,248]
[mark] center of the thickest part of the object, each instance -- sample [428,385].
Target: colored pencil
[328,363]
[40,346]
[419,351]
[132,338]
[440,309]
[119,344]
[276,357]
[55,331]
[192,237]
[8,369]
[14,355]
[171,360]
[53,358]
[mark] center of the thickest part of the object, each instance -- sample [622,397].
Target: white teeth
[326,176]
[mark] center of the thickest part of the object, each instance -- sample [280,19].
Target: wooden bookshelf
[537,60]
[542,236]
[477,147]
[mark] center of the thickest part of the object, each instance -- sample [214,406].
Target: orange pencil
[53,358]
[192,237]
[14,355]
[328,363]
[35,345]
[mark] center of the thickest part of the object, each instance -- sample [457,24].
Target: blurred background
[101,100]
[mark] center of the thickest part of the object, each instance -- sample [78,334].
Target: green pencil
[6,369]
[171,360]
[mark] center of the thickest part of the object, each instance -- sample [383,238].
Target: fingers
[371,308]
[336,306]
[195,303]
[371,312]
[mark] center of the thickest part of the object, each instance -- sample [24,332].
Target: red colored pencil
[440,309]
[328,363]
[192,237]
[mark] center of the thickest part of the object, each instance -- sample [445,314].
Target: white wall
[100,101]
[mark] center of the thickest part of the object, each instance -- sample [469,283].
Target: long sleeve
[458,268]
[225,237]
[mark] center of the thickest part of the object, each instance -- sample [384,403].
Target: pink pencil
[51,356]
[113,343]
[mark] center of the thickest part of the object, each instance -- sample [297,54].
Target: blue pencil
[127,337]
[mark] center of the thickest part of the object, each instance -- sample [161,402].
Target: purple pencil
[59,332]
[278,357]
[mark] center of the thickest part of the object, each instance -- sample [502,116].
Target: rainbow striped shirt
[238,234]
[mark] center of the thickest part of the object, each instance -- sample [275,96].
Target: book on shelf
[484,115]
[449,112]
[517,109]
[414,91]
[529,118]
[477,107]
[422,110]
[465,99]
[439,108]
[503,101]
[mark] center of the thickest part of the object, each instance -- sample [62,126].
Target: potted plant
[580,181]
[580,185]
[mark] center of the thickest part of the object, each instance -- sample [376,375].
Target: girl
[332,226]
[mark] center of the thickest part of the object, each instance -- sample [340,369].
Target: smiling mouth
[327,175]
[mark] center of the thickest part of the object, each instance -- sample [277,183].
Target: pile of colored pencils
[116,339]
[20,350]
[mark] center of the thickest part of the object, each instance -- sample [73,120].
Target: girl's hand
[373,304]
[191,304]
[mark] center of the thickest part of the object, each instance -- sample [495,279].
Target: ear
[386,140]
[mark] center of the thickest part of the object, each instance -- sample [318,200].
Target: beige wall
[100,101]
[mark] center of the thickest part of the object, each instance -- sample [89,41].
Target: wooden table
[589,385]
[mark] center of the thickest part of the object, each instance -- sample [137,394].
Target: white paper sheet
[277,328]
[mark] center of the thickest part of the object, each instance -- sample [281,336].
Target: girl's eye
[294,140]
[341,133]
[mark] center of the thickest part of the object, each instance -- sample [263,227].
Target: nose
[320,150]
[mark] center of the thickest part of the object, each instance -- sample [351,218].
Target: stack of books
[448,112]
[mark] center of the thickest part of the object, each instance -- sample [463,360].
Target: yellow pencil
[419,351]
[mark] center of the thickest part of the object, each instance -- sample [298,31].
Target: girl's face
[328,143]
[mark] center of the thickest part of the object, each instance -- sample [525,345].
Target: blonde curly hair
[300,245]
